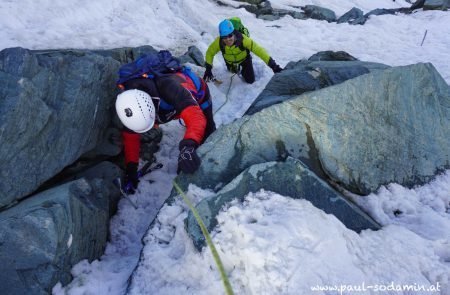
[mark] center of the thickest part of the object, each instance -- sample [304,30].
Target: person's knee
[250,79]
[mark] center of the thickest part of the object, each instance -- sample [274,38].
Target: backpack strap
[165,105]
[199,93]
[194,78]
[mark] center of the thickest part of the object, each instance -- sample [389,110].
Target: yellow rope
[215,254]
[226,95]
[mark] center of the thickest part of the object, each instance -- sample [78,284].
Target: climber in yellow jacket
[236,48]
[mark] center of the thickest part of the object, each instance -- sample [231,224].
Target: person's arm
[213,48]
[256,49]
[173,92]
[132,144]
[195,122]
[261,53]
[186,106]
[132,140]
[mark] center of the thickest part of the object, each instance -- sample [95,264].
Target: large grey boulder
[436,4]
[123,54]
[254,2]
[319,13]
[417,4]
[354,16]
[54,106]
[329,55]
[194,56]
[44,236]
[290,178]
[57,120]
[319,71]
[386,126]
[381,11]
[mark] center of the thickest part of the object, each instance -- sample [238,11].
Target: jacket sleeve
[132,145]
[195,122]
[213,48]
[256,49]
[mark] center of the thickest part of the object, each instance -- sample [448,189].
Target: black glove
[273,65]
[188,160]
[131,178]
[208,76]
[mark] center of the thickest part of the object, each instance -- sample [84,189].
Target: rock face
[57,114]
[53,109]
[319,71]
[436,4]
[386,126]
[289,178]
[319,13]
[44,236]
[354,16]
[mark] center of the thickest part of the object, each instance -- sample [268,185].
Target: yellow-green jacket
[238,52]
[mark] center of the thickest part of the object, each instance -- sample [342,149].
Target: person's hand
[131,178]
[208,76]
[274,66]
[188,160]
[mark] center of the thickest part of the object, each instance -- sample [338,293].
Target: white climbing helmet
[136,110]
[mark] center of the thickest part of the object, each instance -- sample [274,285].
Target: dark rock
[380,11]
[321,70]
[269,17]
[44,236]
[110,145]
[221,3]
[417,4]
[250,8]
[331,56]
[319,13]
[196,55]
[193,56]
[279,13]
[264,8]
[298,15]
[57,107]
[436,4]
[54,107]
[57,122]
[125,54]
[354,16]
[253,2]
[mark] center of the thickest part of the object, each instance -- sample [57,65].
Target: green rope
[215,254]
[226,95]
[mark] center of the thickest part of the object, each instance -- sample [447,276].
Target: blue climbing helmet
[225,28]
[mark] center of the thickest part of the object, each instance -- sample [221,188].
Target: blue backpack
[155,65]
